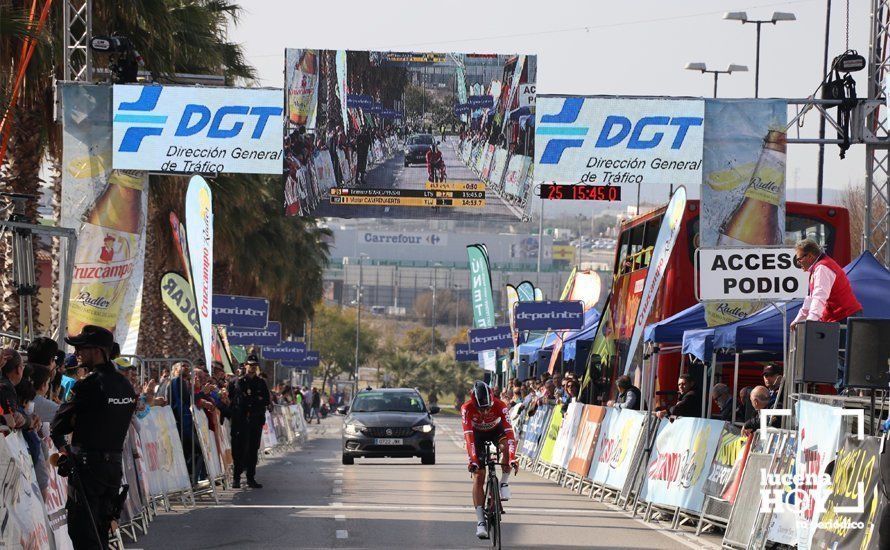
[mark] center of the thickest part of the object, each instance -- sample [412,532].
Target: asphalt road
[393,174]
[310,500]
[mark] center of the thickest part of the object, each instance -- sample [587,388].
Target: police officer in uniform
[249,398]
[97,415]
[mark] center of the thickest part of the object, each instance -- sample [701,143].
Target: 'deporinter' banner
[743,183]
[108,209]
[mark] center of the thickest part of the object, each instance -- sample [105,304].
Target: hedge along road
[310,500]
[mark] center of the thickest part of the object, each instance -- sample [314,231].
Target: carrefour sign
[189,129]
[395,238]
[615,140]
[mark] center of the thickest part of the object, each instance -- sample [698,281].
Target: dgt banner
[240,311]
[269,336]
[484,339]
[615,140]
[187,129]
[549,315]
[750,273]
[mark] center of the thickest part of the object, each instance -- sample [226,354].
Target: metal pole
[433,330]
[540,242]
[716,74]
[735,388]
[757,63]
[358,315]
[820,166]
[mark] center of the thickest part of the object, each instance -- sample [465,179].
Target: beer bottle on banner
[756,219]
[302,87]
[107,250]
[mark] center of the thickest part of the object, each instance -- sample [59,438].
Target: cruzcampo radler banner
[108,210]
[199,234]
[743,183]
[481,298]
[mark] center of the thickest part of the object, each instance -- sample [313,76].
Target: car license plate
[388,441]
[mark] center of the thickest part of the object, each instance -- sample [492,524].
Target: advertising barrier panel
[676,473]
[269,336]
[207,442]
[853,513]
[593,418]
[548,440]
[563,450]
[763,274]
[269,439]
[534,431]
[819,431]
[165,464]
[617,140]
[25,522]
[729,462]
[240,311]
[619,437]
[55,496]
[189,130]
[549,315]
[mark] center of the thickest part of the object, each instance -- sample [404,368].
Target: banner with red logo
[677,469]
[592,419]
[199,235]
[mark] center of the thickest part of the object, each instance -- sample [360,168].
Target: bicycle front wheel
[493,509]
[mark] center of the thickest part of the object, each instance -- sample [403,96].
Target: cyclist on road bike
[434,161]
[485,419]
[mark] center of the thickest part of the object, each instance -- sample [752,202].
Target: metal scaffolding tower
[876,226]
[77,27]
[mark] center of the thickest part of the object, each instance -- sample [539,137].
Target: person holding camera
[97,415]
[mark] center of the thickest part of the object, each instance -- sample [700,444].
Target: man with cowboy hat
[249,397]
[97,416]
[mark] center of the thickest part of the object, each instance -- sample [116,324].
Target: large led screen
[408,134]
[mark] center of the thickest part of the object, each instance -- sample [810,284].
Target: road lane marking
[338,481]
[342,534]
[514,510]
[338,491]
[340,517]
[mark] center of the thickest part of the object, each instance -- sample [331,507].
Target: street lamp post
[733,68]
[433,323]
[743,18]
[358,311]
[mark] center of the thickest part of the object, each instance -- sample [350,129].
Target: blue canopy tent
[670,330]
[586,333]
[539,350]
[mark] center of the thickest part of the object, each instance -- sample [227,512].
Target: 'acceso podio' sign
[763,274]
[189,129]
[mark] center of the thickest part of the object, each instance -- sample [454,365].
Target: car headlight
[424,428]
[353,428]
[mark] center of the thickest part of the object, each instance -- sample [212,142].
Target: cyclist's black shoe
[482,530]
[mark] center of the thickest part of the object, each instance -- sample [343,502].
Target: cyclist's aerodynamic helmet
[482,395]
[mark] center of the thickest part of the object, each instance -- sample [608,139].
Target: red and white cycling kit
[488,425]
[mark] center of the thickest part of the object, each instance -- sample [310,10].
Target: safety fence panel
[676,473]
[25,524]
[515,174]
[323,170]
[548,441]
[498,165]
[566,437]
[54,490]
[612,460]
[165,463]
[207,442]
[726,468]
[534,431]
[268,438]
[593,418]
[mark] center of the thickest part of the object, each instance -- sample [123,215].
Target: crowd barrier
[701,473]
[510,175]
[32,502]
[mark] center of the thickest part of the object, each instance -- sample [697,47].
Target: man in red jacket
[831,298]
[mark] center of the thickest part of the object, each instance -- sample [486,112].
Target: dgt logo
[202,120]
[635,133]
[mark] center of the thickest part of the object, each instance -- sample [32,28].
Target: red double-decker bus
[828,225]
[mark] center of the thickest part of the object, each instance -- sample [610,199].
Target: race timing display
[557,192]
[406,197]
